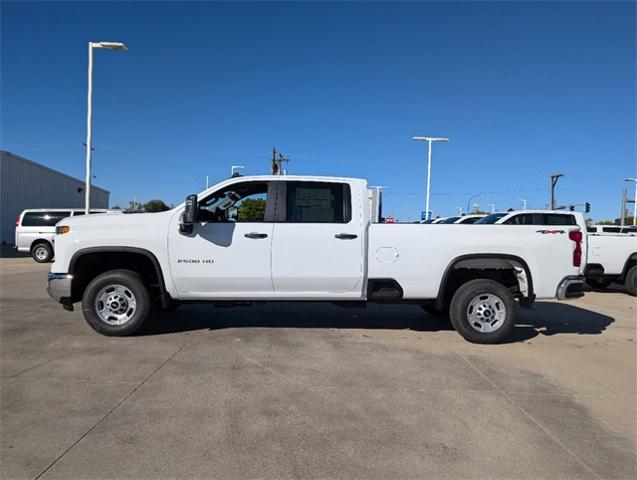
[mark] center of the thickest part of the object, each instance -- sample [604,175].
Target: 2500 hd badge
[195,260]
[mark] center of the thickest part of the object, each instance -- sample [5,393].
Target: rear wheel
[116,303]
[631,281]
[483,311]
[42,252]
[598,282]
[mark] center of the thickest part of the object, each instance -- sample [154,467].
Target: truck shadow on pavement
[546,318]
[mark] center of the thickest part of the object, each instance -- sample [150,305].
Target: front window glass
[450,220]
[522,219]
[243,202]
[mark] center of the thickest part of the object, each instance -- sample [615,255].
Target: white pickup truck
[612,257]
[292,238]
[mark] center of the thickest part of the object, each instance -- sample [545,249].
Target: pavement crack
[115,407]
[528,415]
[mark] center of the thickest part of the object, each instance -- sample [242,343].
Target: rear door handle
[345,236]
[256,235]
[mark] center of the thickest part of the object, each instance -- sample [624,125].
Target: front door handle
[256,235]
[345,236]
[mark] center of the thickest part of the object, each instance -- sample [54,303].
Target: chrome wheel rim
[486,313]
[115,304]
[41,253]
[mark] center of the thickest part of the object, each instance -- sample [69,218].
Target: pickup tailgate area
[418,256]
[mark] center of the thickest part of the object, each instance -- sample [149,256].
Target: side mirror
[189,217]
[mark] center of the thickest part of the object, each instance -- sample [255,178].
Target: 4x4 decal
[550,232]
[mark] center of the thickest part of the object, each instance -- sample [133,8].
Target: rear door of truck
[318,239]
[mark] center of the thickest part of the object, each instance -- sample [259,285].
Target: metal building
[26,184]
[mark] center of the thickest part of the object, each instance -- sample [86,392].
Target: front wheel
[42,252]
[116,303]
[483,311]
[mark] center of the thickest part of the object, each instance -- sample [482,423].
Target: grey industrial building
[27,184]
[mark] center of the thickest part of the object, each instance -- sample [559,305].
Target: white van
[34,229]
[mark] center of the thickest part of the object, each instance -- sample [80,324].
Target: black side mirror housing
[189,216]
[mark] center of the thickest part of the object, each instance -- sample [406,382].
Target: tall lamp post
[523,200]
[430,140]
[89,114]
[634,179]
[479,195]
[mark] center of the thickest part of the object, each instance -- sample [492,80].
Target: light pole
[430,140]
[89,114]
[554,178]
[459,211]
[523,200]
[634,179]
[469,202]
[492,205]
[235,167]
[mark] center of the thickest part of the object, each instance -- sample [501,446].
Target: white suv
[34,230]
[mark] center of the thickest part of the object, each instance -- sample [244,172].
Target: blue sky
[522,90]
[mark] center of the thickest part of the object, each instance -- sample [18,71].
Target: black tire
[598,283]
[431,309]
[631,281]
[124,285]
[42,252]
[486,296]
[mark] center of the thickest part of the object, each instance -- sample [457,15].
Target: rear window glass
[557,219]
[591,229]
[317,202]
[611,229]
[43,219]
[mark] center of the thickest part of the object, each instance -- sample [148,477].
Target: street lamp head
[110,45]
[430,139]
[630,179]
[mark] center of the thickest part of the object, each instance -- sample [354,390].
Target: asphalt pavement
[314,391]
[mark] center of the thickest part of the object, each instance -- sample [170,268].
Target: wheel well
[630,263]
[40,241]
[86,266]
[510,271]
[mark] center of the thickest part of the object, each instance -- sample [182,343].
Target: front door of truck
[228,253]
[317,249]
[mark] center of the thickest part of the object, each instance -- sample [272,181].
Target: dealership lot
[314,390]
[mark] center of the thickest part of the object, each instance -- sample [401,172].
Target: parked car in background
[491,218]
[611,229]
[35,228]
[469,219]
[433,220]
[612,257]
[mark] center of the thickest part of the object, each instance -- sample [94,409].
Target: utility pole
[492,205]
[634,179]
[554,178]
[523,200]
[622,215]
[277,163]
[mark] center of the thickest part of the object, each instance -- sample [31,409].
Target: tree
[116,207]
[251,210]
[607,222]
[156,205]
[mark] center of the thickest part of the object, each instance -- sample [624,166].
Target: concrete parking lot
[313,390]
